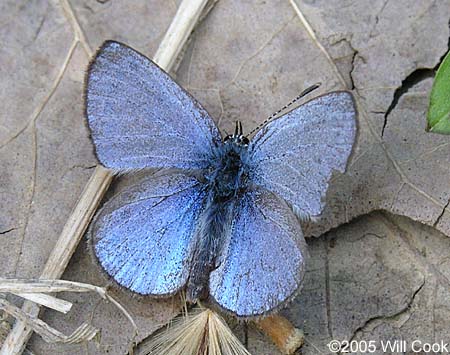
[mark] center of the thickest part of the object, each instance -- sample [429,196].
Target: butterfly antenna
[271,117]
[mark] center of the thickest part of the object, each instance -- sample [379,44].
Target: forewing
[140,118]
[295,155]
[143,238]
[262,266]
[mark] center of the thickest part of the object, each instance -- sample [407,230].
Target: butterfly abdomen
[211,236]
[226,180]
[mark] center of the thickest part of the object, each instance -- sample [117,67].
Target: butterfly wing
[143,237]
[294,155]
[263,264]
[140,118]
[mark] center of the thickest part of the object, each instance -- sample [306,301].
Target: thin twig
[48,301]
[41,288]
[285,336]
[84,332]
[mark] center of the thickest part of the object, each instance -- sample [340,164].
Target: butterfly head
[238,137]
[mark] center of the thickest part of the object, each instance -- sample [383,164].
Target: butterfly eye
[245,141]
[227,138]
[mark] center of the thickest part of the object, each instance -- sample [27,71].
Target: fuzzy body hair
[226,179]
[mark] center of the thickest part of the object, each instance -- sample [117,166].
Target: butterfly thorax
[229,175]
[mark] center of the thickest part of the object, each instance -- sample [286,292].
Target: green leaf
[438,117]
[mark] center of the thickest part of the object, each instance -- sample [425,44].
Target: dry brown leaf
[245,61]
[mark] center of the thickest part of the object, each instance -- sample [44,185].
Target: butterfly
[217,218]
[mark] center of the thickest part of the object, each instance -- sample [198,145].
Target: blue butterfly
[217,218]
